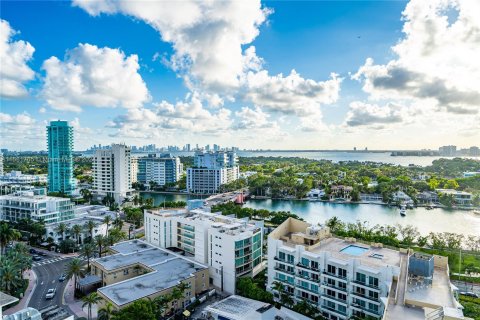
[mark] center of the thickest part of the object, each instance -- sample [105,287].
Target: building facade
[163,169]
[134,169]
[111,172]
[60,157]
[31,205]
[211,170]
[230,247]
[19,178]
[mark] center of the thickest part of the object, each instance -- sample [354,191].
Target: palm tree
[7,234]
[10,277]
[77,231]
[118,223]
[106,312]
[161,305]
[101,242]
[74,269]
[107,220]
[286,300]
[61,229]
[277,286]
[88,252]
[21,259]
[89,226]
[90,300]
[115,236]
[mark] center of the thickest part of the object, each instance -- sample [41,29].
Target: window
[290,258]
[314,265]
[281,255]
[373,281]
[330,281]
[125,272]
[361,277]
[305,262]
[342,285]
[342,296]
[342,272]
[331,269]
[372,306]
[314,287]
[330,293]
[373,294]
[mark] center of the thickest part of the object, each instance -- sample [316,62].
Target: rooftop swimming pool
[354,250]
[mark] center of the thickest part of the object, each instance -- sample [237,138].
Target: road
[48,271]
[470,287]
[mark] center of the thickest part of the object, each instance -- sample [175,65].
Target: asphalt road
[47,277]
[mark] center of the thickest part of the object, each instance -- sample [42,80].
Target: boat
[476,212]
[403,210]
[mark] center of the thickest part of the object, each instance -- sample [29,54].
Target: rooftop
[168,269]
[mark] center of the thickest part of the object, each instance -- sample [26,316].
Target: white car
[50,294]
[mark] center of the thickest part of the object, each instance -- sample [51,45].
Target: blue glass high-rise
[60,157]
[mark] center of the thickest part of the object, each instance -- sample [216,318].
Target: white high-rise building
[1,164]
[134,169]
[211,170]
[230,247]
[163,169]
[112,172]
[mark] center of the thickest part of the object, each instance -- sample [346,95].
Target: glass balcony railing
[329,285]
[334,275]
[365,296]
[284,270]
[324,306]
[366,284]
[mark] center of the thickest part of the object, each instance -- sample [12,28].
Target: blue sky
[315,38]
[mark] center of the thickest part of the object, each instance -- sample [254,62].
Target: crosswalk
[47,261]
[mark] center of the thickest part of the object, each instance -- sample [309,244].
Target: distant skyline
[309,75]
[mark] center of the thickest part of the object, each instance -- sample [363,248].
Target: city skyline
[388,75]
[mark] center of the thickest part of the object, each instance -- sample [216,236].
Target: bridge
[237,196]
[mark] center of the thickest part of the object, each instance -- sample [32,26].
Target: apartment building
[134,169]
[162,170]
[20,178]
[60,157]
[211,170]
[230,247]
[36,206]
[344,278]
[137,270]
[111,172]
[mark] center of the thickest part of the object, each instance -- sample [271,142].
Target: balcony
[284,270]
[307,278]
[344,302]
[358,294]
[328,285]
[325,307]
[307,289]
[284,261]
[284,281]
[188,228]
[334,275]
[356,282]
[370,312]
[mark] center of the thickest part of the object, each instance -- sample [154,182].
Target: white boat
[403,210]
[476,212]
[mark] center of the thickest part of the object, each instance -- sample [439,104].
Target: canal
[437,220]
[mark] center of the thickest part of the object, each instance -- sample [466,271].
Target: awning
[89,280]
[186,313]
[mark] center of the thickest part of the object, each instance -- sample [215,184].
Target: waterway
[437,220]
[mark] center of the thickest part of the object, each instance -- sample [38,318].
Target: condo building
[134,168]
[230,247]
[35,205]
[60,157]
[111,172]
[345,279]
[211,170]
[163,169]
[137,270]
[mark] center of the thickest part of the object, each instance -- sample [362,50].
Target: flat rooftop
[132,252]
[166,274]
[439,293]
[239,308]
[371,256]
[168,268]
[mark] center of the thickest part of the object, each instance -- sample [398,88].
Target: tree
[409,233]
[88,251]
[10,277]
[90,300]
[74,269]
[115,236]
[144,308]
[106,312]
[100,242]
[7,234]
[451,184]
[77,231]
[67,246]
[86,194]
[118,223]
[107,220]
[89,226]
[161,305]
[61,229]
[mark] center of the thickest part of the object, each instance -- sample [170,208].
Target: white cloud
[14,55]
[92,76]
[437,60]
[42,110]
[207,36]
[364,114]
[248,118]
[20,131]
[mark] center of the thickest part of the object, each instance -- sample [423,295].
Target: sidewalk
[56,254]
[32,283]
[71,303]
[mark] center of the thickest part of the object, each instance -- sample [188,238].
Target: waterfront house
[401,196]
[462,198]
[315,194]
[371,197]
[340,192]
[427,197]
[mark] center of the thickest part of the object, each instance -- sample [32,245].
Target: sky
[276,74]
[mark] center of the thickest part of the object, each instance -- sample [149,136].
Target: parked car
[470,294]
[62,277]
[40,253]
[50,293]
[36,258]
[33,251]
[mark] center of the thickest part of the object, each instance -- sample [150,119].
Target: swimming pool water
[354,250]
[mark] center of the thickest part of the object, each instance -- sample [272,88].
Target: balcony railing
[284,261]
[365,309]
[307,289]
[335,299]
[284,270]
[329,285]
[365,296]
[366,284]
[284,281]
[324,306]
[334,275]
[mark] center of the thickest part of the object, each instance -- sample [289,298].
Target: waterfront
[437,220]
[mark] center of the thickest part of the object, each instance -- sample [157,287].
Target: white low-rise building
[230,247]
[20,178]
[461,197]
[36,206]
[315,194]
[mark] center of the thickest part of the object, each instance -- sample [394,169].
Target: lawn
[472,307]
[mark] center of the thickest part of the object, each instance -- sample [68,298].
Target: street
[468,287]
[48,271]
